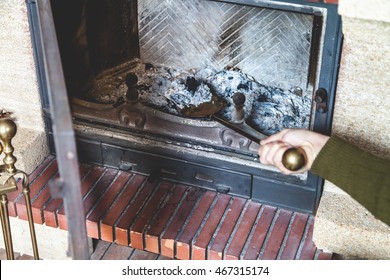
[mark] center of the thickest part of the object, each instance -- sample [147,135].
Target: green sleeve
[362,175]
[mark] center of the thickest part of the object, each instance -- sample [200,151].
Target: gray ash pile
[267,108]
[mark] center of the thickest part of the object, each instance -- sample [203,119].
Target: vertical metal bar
[64,135]
[5,223]
[27,199]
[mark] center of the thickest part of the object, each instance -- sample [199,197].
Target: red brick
[260,233]
[277,234]
[39,202]
[324,255]
[108,222]
[14,196]
[122,234]
[88,183]
[221,239]
[171,233]
[294,237]
[308,249]
[52,207]
[35,188]
[244,228]
[50,212]
[148,213]
[331,1]
[183,243]
[152,235]
[104,204]
[202,241]
[99,189]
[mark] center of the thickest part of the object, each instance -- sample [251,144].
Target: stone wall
[19,91]
[362,117]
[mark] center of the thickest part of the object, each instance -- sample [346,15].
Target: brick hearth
[170,219]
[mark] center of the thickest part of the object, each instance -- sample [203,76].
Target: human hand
[272,148]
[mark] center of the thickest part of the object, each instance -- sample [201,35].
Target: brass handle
[294,159]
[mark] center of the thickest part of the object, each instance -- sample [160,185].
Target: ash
[172,90]
[268,109]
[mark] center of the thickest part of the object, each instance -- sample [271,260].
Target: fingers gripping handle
[294,159]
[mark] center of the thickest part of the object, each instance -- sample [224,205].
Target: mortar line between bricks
[286,235]
[49,163]
[130,202]
[225,213]
[33,198]
[94,184]
[14,200]
[205,218]
[250,236]
[101,195]
[62,203]
[236,226]
[162,203]
[303,239]
[303,236]
[107,210]
[142,208]
[186,222]
[131,255]
[318,252]
[46,185]
[269,232]
[168,223]
[20,195]
[125,186]
[105,252]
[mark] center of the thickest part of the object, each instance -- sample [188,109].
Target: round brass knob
[294,159]
[7,129]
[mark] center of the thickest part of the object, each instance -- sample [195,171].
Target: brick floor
[103,251]
[171,220]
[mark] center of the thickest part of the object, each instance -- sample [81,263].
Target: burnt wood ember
[267,108]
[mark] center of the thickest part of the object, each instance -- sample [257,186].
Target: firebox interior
[131,66]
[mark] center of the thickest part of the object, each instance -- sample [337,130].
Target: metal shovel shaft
[241,128]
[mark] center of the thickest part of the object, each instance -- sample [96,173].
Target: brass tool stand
[8,183]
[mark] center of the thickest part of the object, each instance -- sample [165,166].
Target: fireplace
[132,67]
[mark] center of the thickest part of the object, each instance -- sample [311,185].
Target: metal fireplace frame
[69,142]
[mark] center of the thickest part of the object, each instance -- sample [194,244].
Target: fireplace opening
[132,67]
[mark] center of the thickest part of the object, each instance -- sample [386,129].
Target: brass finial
[8,183]
[7,132]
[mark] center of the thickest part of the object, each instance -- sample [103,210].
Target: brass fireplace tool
[8,183]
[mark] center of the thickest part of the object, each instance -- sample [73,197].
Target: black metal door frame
[60,124]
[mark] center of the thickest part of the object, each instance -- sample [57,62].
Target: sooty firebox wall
[132,66]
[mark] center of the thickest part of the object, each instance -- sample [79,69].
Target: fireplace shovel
[293,159]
